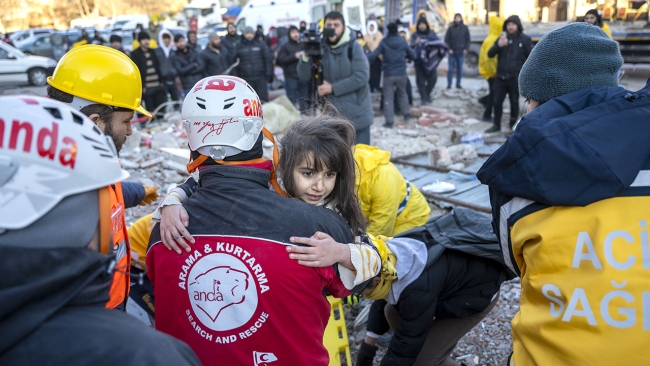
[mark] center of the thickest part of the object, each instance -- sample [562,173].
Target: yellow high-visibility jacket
[381,190]
[606,29]
[488,66]
[570,193]
[139,234]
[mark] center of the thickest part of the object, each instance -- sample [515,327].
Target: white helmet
[48,151]
[222,116]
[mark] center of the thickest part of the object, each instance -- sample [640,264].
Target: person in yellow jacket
[487,66]
[105,85]
[592,17]
[390,202]
[141,302]
[570,213]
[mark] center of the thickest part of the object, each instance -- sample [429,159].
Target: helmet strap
[273,181]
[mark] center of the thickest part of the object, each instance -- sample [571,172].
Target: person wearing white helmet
[233,294]
[105,85]
[56,259]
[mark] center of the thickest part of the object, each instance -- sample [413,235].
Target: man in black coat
[255,63]
[513,48]
[164,53]
[288,56]
[187,63]
[215,56]
[230,41]
[153,89]
[457,38]
[395,51]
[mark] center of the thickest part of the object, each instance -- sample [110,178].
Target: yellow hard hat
[100,74]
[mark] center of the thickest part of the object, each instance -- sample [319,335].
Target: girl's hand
[323,251]
[173,220]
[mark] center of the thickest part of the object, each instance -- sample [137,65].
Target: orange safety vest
[121,249]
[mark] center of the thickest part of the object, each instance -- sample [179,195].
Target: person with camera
[345,75]
[255,63]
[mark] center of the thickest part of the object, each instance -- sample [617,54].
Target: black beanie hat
[422,20]
[392,28]
[293,27]
[143,35]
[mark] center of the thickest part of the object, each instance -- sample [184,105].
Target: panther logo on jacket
[229,286]
[222,291]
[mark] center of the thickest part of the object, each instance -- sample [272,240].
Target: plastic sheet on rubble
[439,187]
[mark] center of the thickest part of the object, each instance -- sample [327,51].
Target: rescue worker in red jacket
[105,85]
[237,298]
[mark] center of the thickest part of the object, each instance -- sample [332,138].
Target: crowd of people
[233,265]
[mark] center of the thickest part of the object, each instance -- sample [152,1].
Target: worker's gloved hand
[150,195]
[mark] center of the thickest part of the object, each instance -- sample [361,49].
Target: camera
[312,39]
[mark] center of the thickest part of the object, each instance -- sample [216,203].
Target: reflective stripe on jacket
[121,283]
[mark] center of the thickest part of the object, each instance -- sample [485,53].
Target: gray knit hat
[249,29]
[574,57]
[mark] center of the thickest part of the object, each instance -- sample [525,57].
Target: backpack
[463,230]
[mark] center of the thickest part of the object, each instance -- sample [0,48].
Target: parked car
[18,67]
[20,37]
[40,45]
[202,41]
[220,29]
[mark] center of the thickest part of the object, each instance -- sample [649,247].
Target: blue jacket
[395,51]
[133,193]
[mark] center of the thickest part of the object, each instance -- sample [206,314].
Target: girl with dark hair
[594,18]
[317,166]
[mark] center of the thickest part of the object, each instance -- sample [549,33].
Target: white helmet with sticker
[48,151]
[222,116]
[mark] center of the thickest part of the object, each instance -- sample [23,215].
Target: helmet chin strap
[194,164]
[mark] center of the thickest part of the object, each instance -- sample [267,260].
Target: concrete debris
[129,164]
[448,157]
[415,113]
[149,163]
[133,141]
[175,166]
[178,155]
[172,176]
[163,139]
[409,132]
